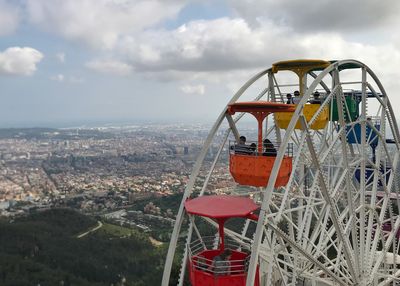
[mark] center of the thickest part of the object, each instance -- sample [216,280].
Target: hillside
[43,249]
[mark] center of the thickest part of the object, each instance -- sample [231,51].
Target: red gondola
[202,270]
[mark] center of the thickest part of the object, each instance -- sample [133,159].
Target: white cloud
[61,57]
[222,44]
[19,61]
[110,67]
[149,54]
[100,23]
[216,50]
[58,77]
[303,15]
[193,89]
[227,52]
[9,17]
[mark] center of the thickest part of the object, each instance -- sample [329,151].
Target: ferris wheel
[320,199]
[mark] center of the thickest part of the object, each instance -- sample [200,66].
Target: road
[99,225]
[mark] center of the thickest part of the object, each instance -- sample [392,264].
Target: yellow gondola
[283,118]
[302,68]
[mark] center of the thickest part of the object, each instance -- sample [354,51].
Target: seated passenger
[316,99]
[221,264]
[201,263]
[269,149]
[297,98]
[253,148]
[289,99]
[241,148]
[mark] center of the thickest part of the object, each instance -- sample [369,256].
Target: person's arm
[212,266]
[228,267]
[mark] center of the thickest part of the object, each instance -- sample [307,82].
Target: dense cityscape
[104,171]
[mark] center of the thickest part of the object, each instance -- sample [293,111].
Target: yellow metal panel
[283,118]
[300,66]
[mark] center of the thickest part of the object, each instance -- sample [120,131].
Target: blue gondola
[353,134]
[369,175]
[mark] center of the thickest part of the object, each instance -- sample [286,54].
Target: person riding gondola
[316,99]
[269,148]
[297,98]
[241,148]
[221,264]
[253,148]
[289,99]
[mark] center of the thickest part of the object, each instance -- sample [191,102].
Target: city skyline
[67,63]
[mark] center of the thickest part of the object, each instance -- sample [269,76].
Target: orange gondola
[255,169]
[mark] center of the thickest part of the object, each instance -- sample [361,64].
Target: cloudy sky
[68,62]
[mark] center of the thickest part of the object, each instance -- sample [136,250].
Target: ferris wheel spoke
[386,247]
[308,255]
[320,228]
[340,100]
[336,192]
[325,194]
[390,278]
[311,208]
[273,245]
[385,204]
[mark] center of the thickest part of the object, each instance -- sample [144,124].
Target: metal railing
[283,98]
[251,148]
[375,120]
[216,266]
[224,267]
[211,243]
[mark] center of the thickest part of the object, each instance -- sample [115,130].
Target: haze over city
[68,62]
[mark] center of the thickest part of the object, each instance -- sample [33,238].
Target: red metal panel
[260,106]
[200,277]
[255,170]
[220,207]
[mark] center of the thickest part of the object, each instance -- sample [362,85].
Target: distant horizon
[100,123]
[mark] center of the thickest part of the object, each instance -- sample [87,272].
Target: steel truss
[325,227]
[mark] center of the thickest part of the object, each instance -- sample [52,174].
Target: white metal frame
[301,225]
